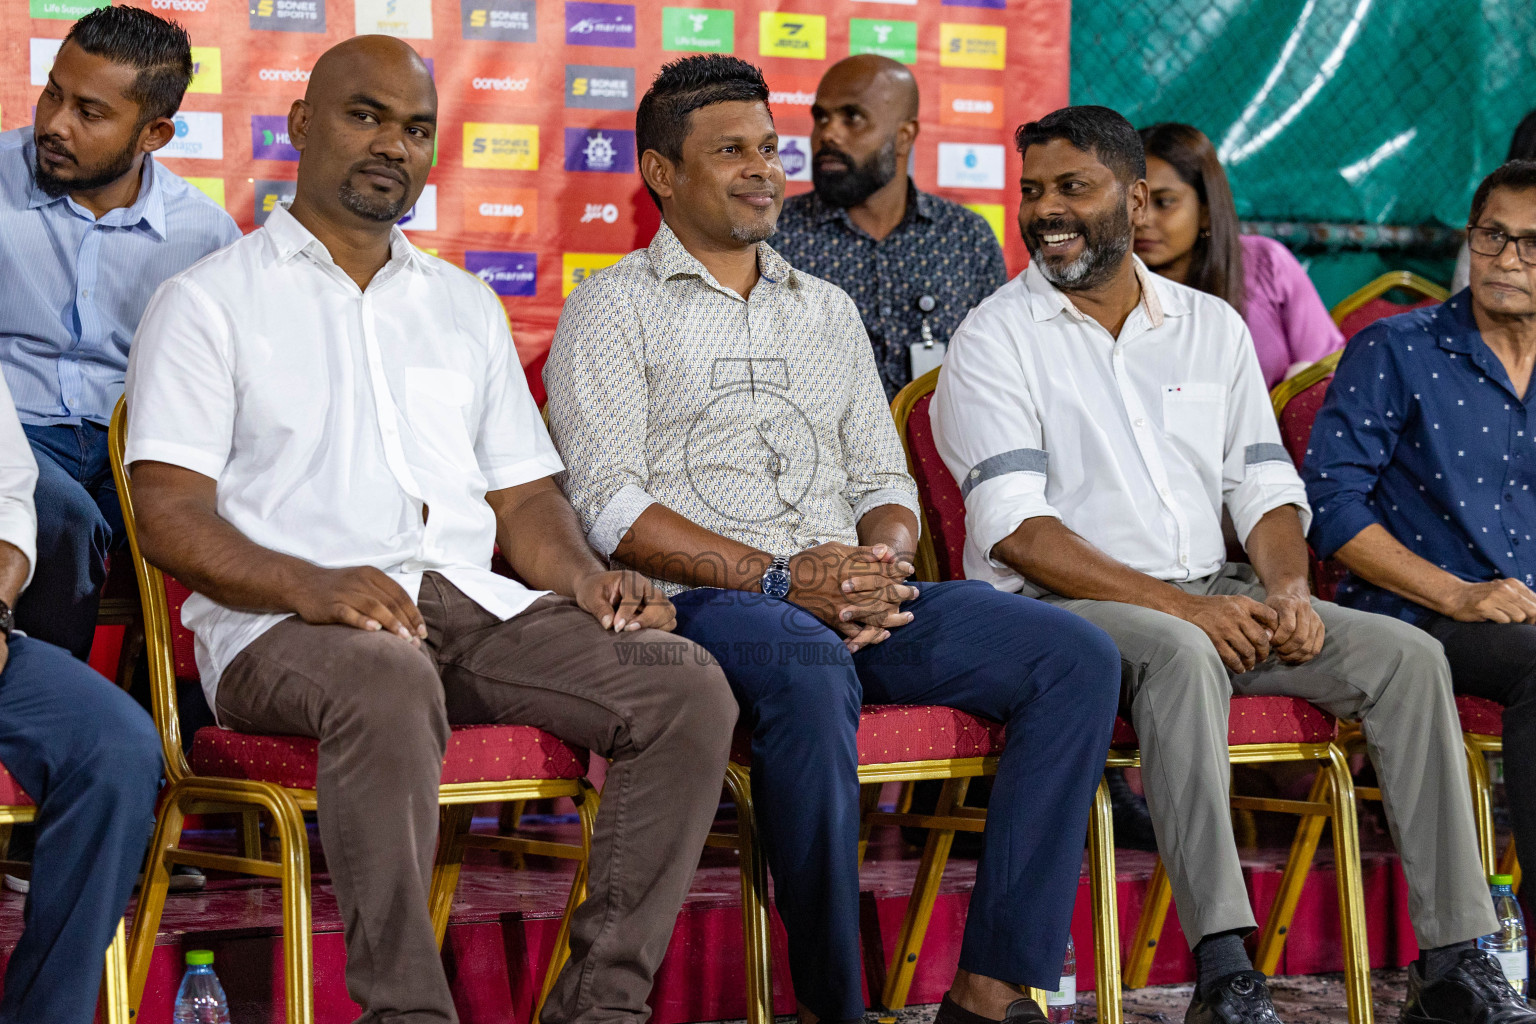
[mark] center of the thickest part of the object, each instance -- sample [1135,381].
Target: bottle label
[1066,995]
[1514,964]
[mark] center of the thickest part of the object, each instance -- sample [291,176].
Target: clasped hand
[856,590]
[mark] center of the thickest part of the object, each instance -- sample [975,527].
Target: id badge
[926,357]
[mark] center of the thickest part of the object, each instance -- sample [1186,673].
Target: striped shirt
[760,418]
[76,286]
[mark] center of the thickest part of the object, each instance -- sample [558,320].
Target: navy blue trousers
[90,757]
[78,522]
[1051,677]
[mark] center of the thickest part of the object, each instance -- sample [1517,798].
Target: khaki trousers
[1384,672]
[381,710]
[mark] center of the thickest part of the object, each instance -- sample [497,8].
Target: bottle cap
[1501,879]
[199,957]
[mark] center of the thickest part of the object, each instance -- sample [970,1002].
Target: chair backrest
[1297,402]
[1370,303]
[169,644]
[941,550]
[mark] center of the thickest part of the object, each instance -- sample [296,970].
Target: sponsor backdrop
[535,185]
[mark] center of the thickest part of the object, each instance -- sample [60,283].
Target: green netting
[1377,111]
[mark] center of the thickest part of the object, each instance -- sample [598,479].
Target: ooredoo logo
[289,75]
[508,84]
[792,95]
[508,273]
[288,15]
[506,21]
[592,24]
[502,211]
[180,6]
[599,149]
[977,106]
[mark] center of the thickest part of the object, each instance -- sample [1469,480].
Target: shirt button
[885,310]
[1183,559]
[1141,422]
[1163,491]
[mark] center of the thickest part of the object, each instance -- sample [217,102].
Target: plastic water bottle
[200,999]
[1061,1005]
[1508,943]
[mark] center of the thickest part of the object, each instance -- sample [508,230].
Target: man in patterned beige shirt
[724,430]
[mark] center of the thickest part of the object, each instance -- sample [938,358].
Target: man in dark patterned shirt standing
[914,263]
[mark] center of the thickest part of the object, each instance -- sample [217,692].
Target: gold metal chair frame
[187,793]
[1333,782]
[1383,284]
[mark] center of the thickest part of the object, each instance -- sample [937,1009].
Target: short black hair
[160,50]
[1516,174]
[1522,144]
[662,121]
[1097,130]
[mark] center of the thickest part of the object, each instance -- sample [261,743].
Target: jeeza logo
[199,136]
[702,30]
[792,35]
[288,15]
[592,24]
[600,149]
[507,273]
[506,21]
[608,213]
[594,87]
[269,138]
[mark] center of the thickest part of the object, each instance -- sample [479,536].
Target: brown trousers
[381,710]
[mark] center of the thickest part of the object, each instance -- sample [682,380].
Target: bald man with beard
[914,264]
[329,432]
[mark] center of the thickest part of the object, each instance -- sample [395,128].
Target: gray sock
[1219,955]
[1434,963]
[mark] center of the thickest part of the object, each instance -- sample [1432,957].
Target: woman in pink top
[1191,236]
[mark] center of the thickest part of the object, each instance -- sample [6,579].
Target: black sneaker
[1020,1011]
[1475,991]
[1240,998]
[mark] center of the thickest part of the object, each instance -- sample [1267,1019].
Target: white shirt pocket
[437,407]
[1195,423]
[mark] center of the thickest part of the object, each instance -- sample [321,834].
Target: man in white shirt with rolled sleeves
[1097,417]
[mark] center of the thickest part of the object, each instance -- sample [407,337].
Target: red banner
[535,185]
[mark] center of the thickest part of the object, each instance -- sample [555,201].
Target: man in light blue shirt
[90,225]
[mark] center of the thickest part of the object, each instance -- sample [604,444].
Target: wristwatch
[776,579]
[7,620]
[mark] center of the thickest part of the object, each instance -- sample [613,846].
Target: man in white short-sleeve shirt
[1097,417]
[329,434]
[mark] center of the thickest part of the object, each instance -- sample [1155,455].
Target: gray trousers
[1384,672]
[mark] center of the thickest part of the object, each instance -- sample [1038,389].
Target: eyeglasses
[1489,242]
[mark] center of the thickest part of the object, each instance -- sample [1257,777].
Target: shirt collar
[670,258]
[290,238]
[148,208]
[1455,328]
[1159,297]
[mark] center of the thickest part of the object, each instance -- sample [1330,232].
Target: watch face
[776,583]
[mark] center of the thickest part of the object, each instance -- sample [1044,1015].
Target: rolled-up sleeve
[1353,439]
[18,480]
[180,384]
[873,458]
[512,446]
[595,379]
[988,432]
[1257,473]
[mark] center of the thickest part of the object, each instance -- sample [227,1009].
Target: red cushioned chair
[1370,303]
[1262,730]
[1297,402]
[17,808]
[275,775]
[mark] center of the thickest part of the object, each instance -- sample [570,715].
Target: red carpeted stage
[504,923]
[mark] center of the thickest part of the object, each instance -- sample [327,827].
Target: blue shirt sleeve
[1354,437]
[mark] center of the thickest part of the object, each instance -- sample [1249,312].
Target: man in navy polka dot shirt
[1421,466]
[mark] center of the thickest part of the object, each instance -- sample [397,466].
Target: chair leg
[1309,830]
[1346,857]
[1149,928]
[869,800]
[1106,924]
[756,938]
[925,889]
[298,916]
[453,821]
[157,880]
[1509,864]
[1482,804]
[250,833]
[586,810]
[114,981]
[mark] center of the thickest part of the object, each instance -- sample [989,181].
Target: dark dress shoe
[1240,998]
[1475,991]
